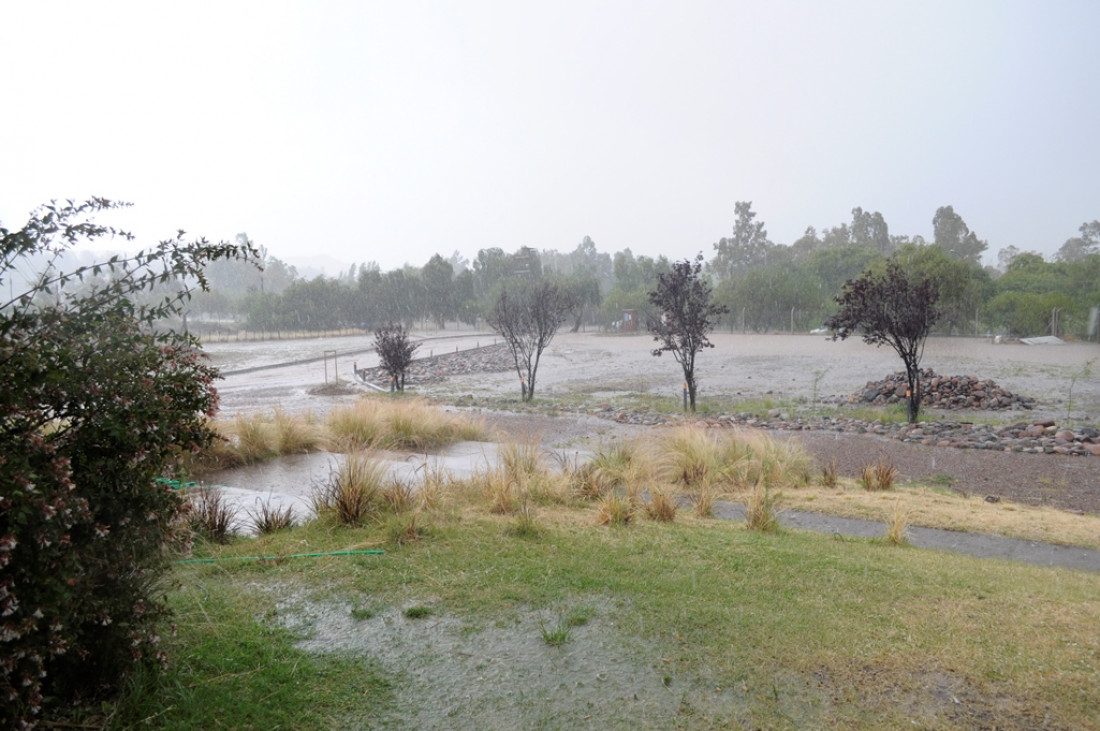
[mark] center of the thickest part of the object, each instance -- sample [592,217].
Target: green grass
[230,669]
[761,629]
[555,636]
[363,613]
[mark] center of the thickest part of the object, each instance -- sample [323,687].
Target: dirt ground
[804,366]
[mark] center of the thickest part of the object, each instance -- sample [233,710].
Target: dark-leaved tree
[892,308]
[395,351]
[684,315]
[527,318]
[99,404]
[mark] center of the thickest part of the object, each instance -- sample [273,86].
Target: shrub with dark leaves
[98,403]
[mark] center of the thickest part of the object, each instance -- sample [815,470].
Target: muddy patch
[501,674]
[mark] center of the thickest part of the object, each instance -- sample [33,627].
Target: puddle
[293,475]
[502,674]
[290,480]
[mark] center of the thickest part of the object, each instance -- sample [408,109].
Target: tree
[528,317]
[747,247]
[583,292]
[870,230]
[634,277]
[1078,247]
[316,304]
[1032,290]
[956,239]
[587,260]
[961,285]
[99,404]
[438,278]
[837,236]
[1005,257]
[465,301]
[685,314]
[395,350]
[892,308]
[400,296]
[771,297]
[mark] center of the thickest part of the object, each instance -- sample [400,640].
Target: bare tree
[892,308]
[527,319]
[395,351]
[685,314]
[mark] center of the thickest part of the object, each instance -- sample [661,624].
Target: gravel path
[1067,483]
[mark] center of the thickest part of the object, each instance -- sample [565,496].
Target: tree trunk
[913,394]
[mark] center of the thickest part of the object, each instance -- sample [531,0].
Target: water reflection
[291,480]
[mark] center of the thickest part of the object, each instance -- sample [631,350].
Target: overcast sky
[390,131]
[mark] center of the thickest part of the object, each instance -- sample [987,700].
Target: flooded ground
[505,675]
[316,375]
[287,374]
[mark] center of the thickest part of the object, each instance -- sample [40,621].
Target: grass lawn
[467,622]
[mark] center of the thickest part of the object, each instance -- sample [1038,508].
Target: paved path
[971,544]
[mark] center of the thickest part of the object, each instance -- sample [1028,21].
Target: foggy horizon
[374,132]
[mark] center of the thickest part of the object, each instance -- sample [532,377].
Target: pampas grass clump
[353,491]
[897,527]
[398,423]
[614,510]
[661,505]
[762,509]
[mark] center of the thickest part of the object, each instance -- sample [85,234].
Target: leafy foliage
[98,404]
[396,352]
[1078,247]
[746,248]
[955,237]
[438,276]
[686,315]
[528,318]
[1031,290]
[892,308]
[767,286]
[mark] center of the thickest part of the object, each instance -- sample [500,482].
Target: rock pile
[489,359]
[943,392]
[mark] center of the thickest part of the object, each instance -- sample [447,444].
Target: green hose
[175,484]
[278,558]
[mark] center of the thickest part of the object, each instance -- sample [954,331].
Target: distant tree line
[763,285]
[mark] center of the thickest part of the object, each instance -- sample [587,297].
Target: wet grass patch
[231,669]
[743,628]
